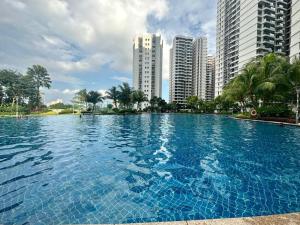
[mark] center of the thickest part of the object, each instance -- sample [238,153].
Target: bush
[9,110]
[275,110]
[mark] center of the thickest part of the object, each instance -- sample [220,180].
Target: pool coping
[278,219]
[266,121]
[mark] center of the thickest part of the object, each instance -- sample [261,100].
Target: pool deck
[283,219]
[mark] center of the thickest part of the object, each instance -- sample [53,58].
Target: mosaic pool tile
[148,168]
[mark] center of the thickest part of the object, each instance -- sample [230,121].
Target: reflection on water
[120,169]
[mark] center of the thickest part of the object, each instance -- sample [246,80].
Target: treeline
[23,89]
[124,99]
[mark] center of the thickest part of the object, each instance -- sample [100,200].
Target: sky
[88,44]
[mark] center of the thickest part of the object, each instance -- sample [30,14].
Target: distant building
[295,30]
[199,74]
[147,64]
[210,78]
[180,85]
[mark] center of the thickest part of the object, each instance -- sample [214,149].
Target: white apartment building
[147,64]
[247,29]
[295,30]
[227,41]
[210,78]
[199,68]
[180,82]
[263,29]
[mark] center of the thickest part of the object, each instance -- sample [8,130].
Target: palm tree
[94,97]
[113,94]
[271,71]
[41,78]
[125,95]
[82,96]
[138,97]
[293,78]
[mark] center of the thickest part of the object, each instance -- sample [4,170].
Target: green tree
[40,78]
[293,78]
[125,95]
[82,97]
[94,97]
[138,97]
[192,102]
[113,94]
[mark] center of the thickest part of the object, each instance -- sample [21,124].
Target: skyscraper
[199,68]
[295,30]
[180,85]
[147,64]
[210,78]
[247,29]
[227,42]
[263,29]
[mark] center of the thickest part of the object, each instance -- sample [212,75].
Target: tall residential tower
[295,30]
[247,29]
[147,64]
[199,67]
[180,82]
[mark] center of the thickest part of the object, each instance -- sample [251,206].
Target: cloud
[75,40]
[68,37]
[122,79]
[191,18]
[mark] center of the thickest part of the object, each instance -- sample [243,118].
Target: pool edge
[277,219]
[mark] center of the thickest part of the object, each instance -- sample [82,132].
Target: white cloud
[69,37]
[122,79]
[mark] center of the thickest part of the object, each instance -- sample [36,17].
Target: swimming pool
[123,169]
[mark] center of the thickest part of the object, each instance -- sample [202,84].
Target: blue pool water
[123,169]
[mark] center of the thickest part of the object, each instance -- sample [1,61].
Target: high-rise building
[199,67]
[263,29]
[247,29]
[227,41]
[295,30]
[210,78]
[147,64]
[180,85]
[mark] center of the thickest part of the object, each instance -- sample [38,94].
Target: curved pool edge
[279,219]
[265,121]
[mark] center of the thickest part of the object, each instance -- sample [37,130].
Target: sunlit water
[122,169]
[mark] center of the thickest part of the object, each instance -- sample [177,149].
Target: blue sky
[88,44]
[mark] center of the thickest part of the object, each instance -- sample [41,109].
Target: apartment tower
[147,64]
[180,85]
[199,67]
[227,41]
[247,29]
[210,78]
[264,28]
[295,30]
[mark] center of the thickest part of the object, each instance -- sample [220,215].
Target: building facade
[210,78]
[264,28]
[147,64]
[180,82]
[227,41]
[247,29]
[295,30]
[199,68]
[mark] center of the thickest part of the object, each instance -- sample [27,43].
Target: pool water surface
[126,169]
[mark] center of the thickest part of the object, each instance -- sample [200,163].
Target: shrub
[9,110]
[275,110]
